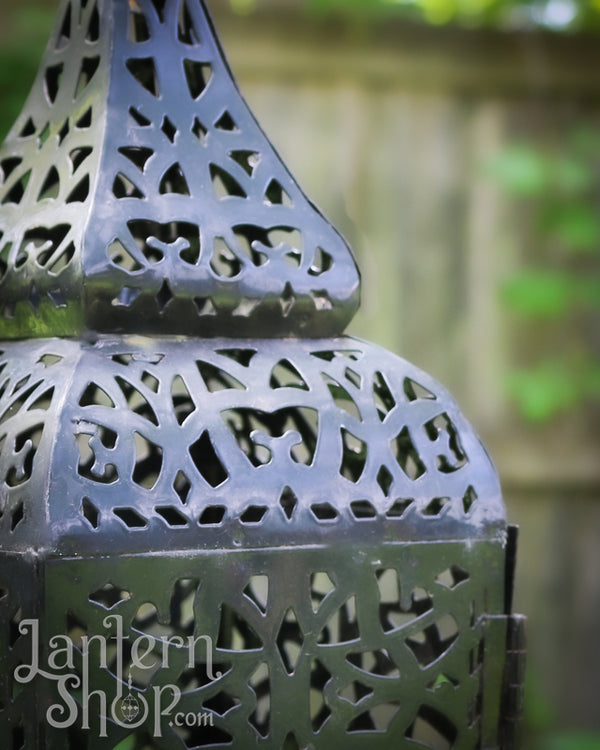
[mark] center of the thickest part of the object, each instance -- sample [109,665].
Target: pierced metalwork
[138,193]
[313,514]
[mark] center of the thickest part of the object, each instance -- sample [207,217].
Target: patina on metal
[191,449]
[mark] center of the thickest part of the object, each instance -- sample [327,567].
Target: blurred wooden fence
[389,129]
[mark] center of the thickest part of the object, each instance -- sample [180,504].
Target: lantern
[223,522]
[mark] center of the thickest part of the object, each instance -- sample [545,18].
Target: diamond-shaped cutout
[287,300]
[164,296]
[288,502]
[168,129]
[290,640]
[436,507]
[385,480]
[109,596]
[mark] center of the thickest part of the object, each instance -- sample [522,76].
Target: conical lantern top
[138,193]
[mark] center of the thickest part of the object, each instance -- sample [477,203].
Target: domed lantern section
[224,523]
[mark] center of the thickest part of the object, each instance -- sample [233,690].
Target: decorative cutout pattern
[175,440]
[264,643]
[207,228]
[46,168]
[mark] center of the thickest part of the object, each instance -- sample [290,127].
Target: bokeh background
[456,145]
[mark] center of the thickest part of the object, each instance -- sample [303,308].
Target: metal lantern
[223,523]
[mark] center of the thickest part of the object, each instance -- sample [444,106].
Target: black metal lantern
[223,523]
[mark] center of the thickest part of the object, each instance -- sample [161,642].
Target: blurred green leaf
[572,175]
[521,170]
[576,225]
[573,741]
[544,391]
[545,294]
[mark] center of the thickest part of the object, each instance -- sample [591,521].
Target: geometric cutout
[235,633]
[173,181]
[144,72]
[354,456]
[289,641]
[130,517]
[377,663]
[257,590]
[207,461]
[341,626]
[319,710]
[436,506]
[213,515]
[90,512]
[407,455]
[321,586]
[183,404]
[259,683]
[197,75]
[109,596]
[429,644]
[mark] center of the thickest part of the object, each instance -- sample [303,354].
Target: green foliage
[561,189]
[20,56]
[573,14]
[572,741]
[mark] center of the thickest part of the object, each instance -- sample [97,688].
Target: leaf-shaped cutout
[341,397]
[354,456]
[186,31]
[197,75]
[138,25]
[341,626]
[52,79]
[224,184]
[144,72]
[80,192]
[78,155]
[407,456]
[94,395]
[137,155]
[235,632]
[123,187]
[183,404]
[248,160]
[148,462]
[173,181]
[207,462]
[64,35]
[322,262]
[93,32]
[216,379]
[89,67]
[136,401]
[16,193]
[51,186]
[285,375]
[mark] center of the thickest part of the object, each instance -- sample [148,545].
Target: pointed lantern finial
[138,193]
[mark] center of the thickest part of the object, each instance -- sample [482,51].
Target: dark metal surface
[139,194]
[130,444]
[315,508]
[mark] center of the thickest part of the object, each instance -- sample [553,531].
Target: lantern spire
[138,193]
